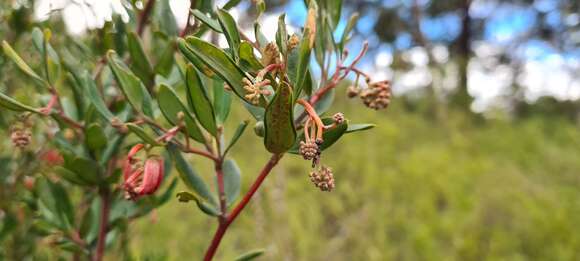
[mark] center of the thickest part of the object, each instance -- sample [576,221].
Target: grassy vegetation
[410,189]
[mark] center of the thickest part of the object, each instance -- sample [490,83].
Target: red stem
[221,190]
[145,16]
[104,220]
[217,238]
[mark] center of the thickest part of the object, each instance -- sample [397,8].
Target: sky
[545,70]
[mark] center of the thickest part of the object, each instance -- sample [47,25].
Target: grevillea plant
[110,130]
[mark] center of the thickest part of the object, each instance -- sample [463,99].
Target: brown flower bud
[308,150]
[352,91]
[323,178]
[20,137]
[293,42]
[270,54]
[377,96]
[338,118]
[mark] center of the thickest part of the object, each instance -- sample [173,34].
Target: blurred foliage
[409,189]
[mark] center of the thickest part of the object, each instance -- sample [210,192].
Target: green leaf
[12,104]
[248,60]
[189,176]
[132,87]
[282,35]
[170,106]
[231,33]
[222,101]
[91,92]
[251,255]
[86,169]
[70,176]
[21,64]
[359,127]
[165,63]
[142,134]
[231,4]
[211,23]
[260,7]
[232,180]
[279,122]
[239,131]
[333,9]
[54,198]
[303,61]
[164,19]
[185,197]
[345,35]
[199,101]
[217,60]
[260,37]
[139,62]
[50,58]
[95,137]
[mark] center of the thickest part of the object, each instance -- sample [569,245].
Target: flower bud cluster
[322,178]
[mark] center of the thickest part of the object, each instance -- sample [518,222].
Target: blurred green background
[448,173]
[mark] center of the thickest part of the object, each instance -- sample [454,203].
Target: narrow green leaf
[96,138]
[217,60]
[222,101]
[211,23]
[231,33]
[279,121]
[132,87]
[189,176]
[70,176]
[165,63]
[345,35]
[142,134]
[21,64]
[239,131]
[260,37]
[199,101]
[139,62]
[170,106]
[232,180]
[359,127]
[303,61]
[333,9]
[54,197]
[251,255]
[91,92]
[12,104]
[164,19]
[282,35]
[231,4]
[185,197]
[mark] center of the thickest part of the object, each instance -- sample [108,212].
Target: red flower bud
[52,157]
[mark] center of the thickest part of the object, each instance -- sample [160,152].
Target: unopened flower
[270,54]
[293,42]
[338,118]
[20,137]
[377,96]
[322,178]
[352,91]
[255,90]
[141,178]
[28,182]
[52,157]
[308,149]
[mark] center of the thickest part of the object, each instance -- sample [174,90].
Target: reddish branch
[223,226]
[104,220]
